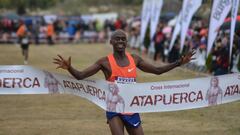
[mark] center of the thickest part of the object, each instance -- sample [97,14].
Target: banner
[29,80]
[155,14]
[139,97]
[145,17]
[188,10]
[176,30]
[220,10]
[235,4]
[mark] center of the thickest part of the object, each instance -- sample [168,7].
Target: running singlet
[124,75]
[21,31]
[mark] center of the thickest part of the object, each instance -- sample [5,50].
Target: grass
[71,115]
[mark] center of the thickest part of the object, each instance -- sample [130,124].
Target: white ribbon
[139,97]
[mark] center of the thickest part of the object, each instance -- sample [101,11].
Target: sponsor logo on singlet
[130,70]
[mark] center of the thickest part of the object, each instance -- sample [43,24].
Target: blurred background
[56,22]
[81,29]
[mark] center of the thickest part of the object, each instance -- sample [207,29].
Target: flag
[235,4]
[155,14]
[145,17]
[220,10]
[188,10]
[176,31]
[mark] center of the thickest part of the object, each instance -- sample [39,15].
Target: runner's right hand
[62,63]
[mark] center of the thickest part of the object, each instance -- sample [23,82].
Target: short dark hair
[116,32]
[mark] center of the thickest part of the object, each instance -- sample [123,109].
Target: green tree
[21,5]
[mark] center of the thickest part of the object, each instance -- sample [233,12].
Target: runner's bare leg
[135,131]
[116,126]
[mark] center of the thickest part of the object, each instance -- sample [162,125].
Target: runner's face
[119,42]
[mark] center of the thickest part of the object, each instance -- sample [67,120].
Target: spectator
[201,58]
[36,31]
[159,39]
[221,59]
[50,33]
[174,53]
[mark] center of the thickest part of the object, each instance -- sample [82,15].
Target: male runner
[24,40]
[120,67]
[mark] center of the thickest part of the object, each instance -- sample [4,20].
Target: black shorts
[132,121]
[25,46]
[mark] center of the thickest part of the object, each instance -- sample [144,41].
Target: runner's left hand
[187,57]
[62,63]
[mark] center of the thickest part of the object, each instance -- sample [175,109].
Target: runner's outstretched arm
[149,68]
[66,64]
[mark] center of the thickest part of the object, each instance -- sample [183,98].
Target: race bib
[25,41]
[125,80]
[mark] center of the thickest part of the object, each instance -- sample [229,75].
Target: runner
[24,40]
[120,67]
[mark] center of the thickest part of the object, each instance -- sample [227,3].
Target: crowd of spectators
[66,29]
[216,63]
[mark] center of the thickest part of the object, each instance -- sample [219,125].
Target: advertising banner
[138,97]
[220,10]
[188,10]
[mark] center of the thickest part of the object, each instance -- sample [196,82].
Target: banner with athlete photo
[29,80]
[138,97]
